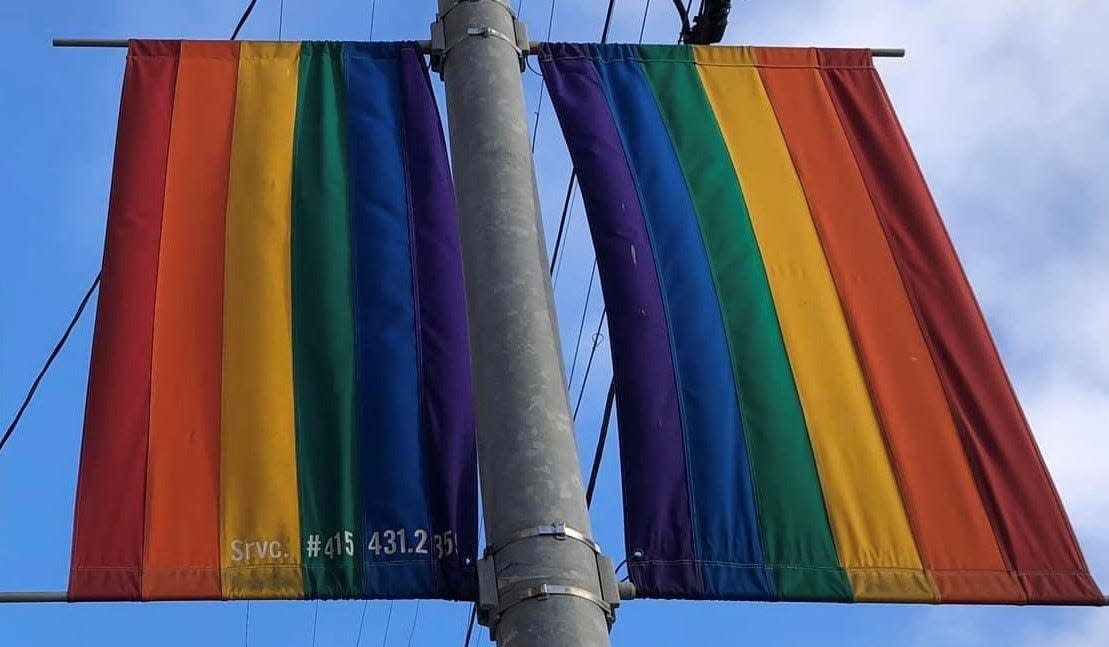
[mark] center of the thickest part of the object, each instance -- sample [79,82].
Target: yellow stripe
[868,518]
[259,519]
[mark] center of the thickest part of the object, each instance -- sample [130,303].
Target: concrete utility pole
[550,586]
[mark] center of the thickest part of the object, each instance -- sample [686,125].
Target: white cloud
[1091,631]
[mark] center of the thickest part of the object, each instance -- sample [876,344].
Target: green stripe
[323,330]
[797,540]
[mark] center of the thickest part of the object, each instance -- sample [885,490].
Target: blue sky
[1006,102]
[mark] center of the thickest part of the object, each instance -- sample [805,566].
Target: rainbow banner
[279,397]
[810,404]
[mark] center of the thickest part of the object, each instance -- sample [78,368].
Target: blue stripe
[392,479]
[721,483]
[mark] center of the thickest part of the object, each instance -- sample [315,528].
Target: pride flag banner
[810,405]
[279,397]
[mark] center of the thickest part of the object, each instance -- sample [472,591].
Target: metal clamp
[558,530]
[489,32]
[492,603]
[545,591]
[440,49]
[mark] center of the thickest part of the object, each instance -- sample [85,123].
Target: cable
[361,623]
[373,13]
[581,324]
[388,621]
[49,361]
[539,109]
[315,617]
[415,617]
[643,25]
[608,21]
[280,19]
[470,626]
[242,19]
[599,452]
[562,221]
[246,625]
[597,337]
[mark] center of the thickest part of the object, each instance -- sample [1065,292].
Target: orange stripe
[950,525]
[181,557]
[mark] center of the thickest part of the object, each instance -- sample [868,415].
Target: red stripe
[108,523]
[1020,498]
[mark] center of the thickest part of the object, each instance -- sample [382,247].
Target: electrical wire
[246,625]
[581,325]
[373,14]
[280,19]
[361,623]
[599,452]
[388,621]
[49,360]
[539,109]
[608,21]
[242,19]
[315,618]
[566,208]
[415,617]
[597,338]
[643,25]
[470,625]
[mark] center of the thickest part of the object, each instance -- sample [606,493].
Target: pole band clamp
[543,592]
[440,49]
[558,530]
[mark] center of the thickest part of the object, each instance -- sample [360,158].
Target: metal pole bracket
[493,603]
[558,530]
[440,48]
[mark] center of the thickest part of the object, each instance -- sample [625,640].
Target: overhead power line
[49,360]
[415,618]
[598,453]
[562,221]
[597,337]
[361,623]
[581,325]
[388,621]
[243,18]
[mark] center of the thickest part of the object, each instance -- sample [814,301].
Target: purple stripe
[656,490]
[447,419]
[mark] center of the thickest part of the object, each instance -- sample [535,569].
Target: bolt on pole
[546,583]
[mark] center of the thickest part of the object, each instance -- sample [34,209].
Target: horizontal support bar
[425,45]
[33,596]
[9,597]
